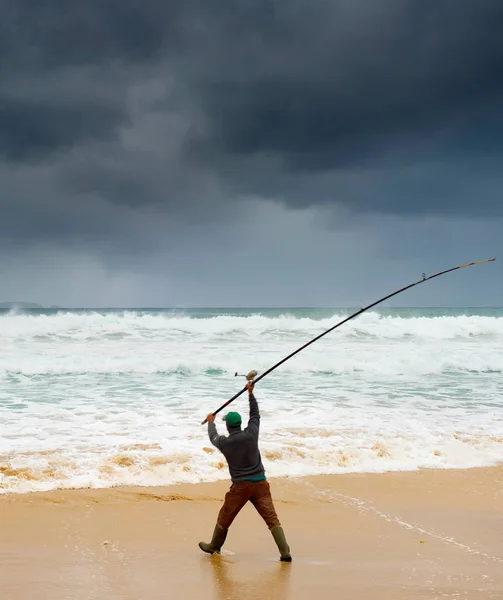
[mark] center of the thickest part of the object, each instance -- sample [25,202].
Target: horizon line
[240,307]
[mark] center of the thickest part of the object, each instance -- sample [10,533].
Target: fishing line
[252,374]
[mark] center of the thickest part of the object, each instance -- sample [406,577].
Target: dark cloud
[371,94]
[111,111]
[47,35]
[31,129]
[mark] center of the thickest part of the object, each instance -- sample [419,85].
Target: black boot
[284,550]
[217,541]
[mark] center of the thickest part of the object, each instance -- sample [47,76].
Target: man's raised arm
[254,420]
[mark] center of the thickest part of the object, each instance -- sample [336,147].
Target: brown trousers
[258,493]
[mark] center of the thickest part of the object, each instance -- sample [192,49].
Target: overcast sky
[250,153]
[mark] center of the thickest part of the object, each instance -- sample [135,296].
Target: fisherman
[249,483]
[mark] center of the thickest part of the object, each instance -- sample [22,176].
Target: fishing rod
[252,374]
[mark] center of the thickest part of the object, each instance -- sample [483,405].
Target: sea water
[103,398]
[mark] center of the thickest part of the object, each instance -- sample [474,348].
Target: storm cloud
[131,129]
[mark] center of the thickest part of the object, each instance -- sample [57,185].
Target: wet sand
[422,535]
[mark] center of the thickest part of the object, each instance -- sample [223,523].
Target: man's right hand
[250,385]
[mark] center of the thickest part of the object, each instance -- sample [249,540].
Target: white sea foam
[99,399]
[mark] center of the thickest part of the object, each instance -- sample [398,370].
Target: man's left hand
[210,418]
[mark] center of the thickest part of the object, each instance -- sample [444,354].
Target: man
[249,483]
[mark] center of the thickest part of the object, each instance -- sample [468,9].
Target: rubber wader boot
[217,541]
[279,537]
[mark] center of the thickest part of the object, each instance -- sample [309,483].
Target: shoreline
[225,481]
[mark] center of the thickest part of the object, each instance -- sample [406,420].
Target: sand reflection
[249,581]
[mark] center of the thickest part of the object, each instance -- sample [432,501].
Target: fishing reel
[250,376]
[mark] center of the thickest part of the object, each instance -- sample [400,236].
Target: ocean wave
[89,326]
[296,452]
[316,367]
[72,343]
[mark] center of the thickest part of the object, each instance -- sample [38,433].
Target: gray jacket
[240,447]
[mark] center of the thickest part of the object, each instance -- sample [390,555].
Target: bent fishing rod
[251,376]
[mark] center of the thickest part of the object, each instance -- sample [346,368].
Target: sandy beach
[426,534]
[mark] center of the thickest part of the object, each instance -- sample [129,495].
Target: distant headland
[26,305]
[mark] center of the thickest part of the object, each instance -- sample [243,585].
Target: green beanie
[233,419]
